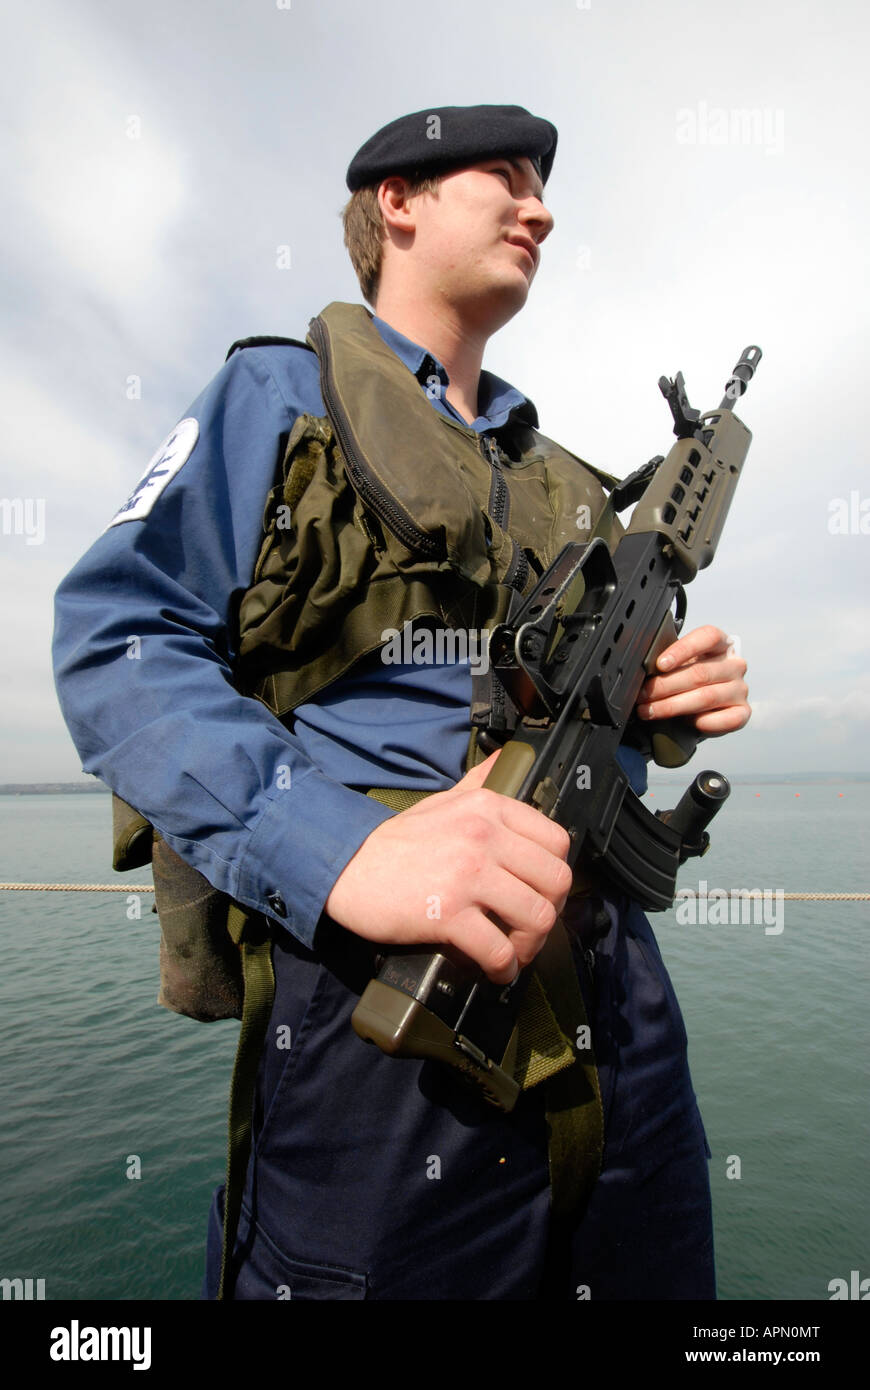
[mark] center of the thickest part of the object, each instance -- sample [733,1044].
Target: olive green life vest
[389,512]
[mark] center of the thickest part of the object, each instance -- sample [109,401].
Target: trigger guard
[681,608]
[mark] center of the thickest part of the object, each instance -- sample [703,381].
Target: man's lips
[528,246]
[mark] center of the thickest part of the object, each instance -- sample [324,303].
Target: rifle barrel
[743,373]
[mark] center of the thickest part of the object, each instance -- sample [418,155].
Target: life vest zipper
[499,497]
[500,510]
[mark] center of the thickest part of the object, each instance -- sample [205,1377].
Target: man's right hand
[440,872]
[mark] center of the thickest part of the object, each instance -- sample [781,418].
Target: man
[373,1177]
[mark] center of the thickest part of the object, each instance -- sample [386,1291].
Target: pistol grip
[673,740]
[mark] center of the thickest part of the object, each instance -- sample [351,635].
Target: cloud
[101,189]
[849,709]
[146,249]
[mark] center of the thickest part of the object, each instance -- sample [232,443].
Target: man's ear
[396,204]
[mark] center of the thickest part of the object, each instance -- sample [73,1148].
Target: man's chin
[496,308]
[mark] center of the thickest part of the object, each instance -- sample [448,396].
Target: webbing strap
[251,934]
[541,1048]
[608,526]
[573,1095]
[397,798]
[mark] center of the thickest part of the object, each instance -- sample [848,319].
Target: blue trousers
[383,1178]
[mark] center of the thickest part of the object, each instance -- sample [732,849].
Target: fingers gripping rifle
[573,659]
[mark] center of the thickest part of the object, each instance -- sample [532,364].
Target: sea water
[114,1110]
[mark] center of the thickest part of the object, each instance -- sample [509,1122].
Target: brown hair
[364,230]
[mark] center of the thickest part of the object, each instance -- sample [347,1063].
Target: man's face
[477,242]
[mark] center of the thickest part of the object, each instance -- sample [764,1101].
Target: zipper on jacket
[499,497]
[500,510]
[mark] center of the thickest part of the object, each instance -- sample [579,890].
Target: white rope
[78,887]
[792,897]
[682,892]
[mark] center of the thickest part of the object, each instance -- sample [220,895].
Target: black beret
[448,136]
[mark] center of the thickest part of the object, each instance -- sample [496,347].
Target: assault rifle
[572,660]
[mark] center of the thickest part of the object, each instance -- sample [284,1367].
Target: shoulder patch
[175,450]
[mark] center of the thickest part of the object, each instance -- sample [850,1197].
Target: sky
[173,175]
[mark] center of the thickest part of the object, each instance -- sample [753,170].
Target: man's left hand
[702,680]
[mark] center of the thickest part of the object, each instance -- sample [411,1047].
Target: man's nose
[537,218]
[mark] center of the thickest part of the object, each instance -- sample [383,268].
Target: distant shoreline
[780,779]
[52,788]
